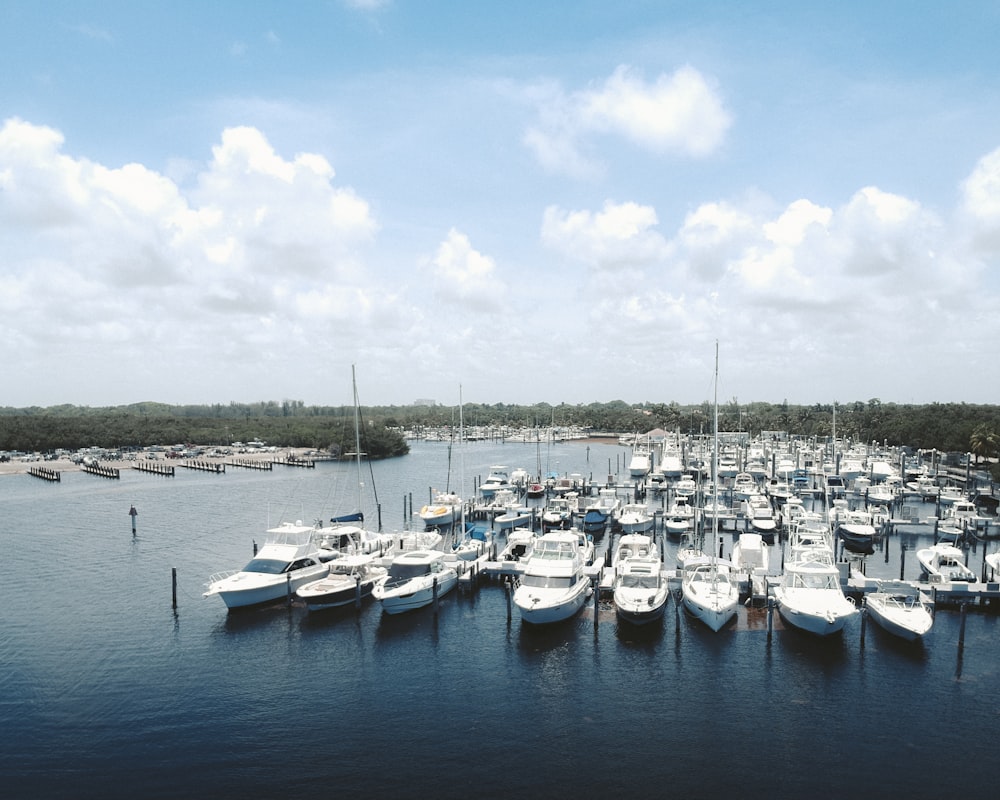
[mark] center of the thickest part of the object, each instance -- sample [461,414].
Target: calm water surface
[106,691]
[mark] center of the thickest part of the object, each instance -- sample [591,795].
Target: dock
[249,463]
[46,474]
[154,467]
[205,466]
[101,471]
[296,462]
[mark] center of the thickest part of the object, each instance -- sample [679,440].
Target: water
[106,691]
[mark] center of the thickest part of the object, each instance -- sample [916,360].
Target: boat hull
[907,622]
[538,607]
[410,599]
[250,592]
[806,616]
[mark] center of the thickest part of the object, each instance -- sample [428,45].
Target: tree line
[947,427]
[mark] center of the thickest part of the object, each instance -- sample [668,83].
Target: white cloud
[462,273]
[621,235]
[680,113]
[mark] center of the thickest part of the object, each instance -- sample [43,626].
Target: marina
[112,684]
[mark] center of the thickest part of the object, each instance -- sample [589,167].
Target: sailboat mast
[357,434]
[715,450]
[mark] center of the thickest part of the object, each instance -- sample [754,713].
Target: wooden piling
[173,585]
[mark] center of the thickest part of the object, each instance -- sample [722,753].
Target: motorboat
[836,487]
[856,531]
[686,487]
[586,544]
[520,542]
[744,485]
[554,585]
[900,609]
[288,559]
[603,508]
[951,494]
[709,591]
[751,556]
[688,549]
[679,518]
[558,513]
[810,597]
[513,517]
[350,580]
[444,509]
[993,562]
[497,479]
[632,545]
[477,542]
[640,463]
[758,511]
[640,589]
[924,486]
[943,562]
[635,518]
[414,580]
[346,538]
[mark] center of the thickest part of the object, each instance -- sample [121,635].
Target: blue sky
[560,202]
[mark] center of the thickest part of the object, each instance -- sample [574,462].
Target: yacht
[414,580]
[635,518]
[499,478]
[350,580]
[945,563]
[288,559]
[444,509]
[810,597]
[709,591]
[554,585]
[757,509]
[679,518]
[901,610]
[857,532]
[640,590]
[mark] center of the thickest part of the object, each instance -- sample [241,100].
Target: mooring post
[255,547]
[864,619]
[173,586]
[288,588]
[597,597]
[902,558]
[507,592]
[133,513]
[961,627]
[770,618]
[434,589]
[357,592]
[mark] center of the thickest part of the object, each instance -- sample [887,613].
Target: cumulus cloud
[258,236]
[680,113]
[462,273]
[620,235]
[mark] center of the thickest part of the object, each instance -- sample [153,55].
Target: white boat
[444,509]
[413,581]
[993,562]
[635,518]
[477,542]
[640,590]
[744,485]
[685,487]
[558,513]
[350,580]
[810,597]
[856,531]
[923,486]
[944,562]
[901,610]
[709,591]
[520,542]
[554,585]
[632,545]
[951,494]
[751,556]
[498,478]
[757,509]
[679,518]
[288,559]
[641,461]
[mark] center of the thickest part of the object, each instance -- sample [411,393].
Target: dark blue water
[106,691]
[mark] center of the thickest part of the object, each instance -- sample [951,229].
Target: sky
[517,202]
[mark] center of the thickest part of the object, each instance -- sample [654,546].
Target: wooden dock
[46,474]
[249,463]
[101,471]
[154,467]
[296,462]
[205,466]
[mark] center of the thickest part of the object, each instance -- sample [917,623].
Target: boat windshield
[633,581]
[812,581]
[403,572]
[268,566]
[548,581]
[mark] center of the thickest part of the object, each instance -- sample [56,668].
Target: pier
[296,462]
[46,474]
[249,463]
[101,471]
[205,466]
[154,467]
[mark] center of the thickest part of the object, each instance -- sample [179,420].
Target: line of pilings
[204,466]
[46,474]
[154,468]
[100,471]
[247,463]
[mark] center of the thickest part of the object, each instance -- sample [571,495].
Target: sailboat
[708,588]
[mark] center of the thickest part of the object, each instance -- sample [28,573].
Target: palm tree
[983,442]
